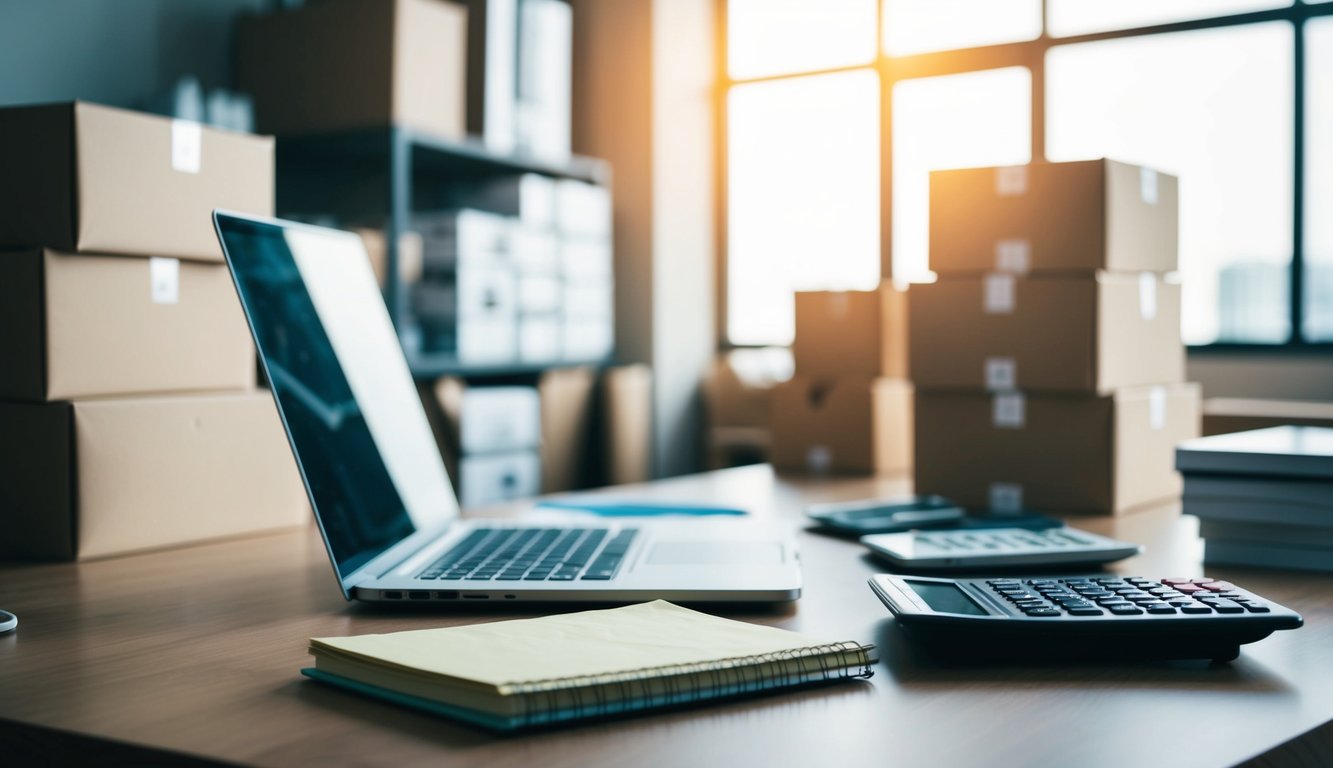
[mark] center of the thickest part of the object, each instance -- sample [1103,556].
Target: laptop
[377,483]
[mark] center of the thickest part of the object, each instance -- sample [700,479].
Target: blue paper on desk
[632,508]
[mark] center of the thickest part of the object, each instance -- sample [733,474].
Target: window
[1214,107]
[836,111]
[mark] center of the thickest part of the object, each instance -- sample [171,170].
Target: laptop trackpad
[716,552]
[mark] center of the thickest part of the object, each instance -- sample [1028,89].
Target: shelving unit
[383,176]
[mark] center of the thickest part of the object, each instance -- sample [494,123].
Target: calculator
[959,550]
[1096,617]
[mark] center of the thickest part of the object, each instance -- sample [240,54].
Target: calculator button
[1231,593]
[1043,582]
[1162,591]
[1125,610]
[1042,612]
[1113,600]
[1176,580]
[1095,593]
[1195,608]
[1226,606]
[1256,608]
[1190,589]
[1088,611]
[1218,586]
[1179,601]
[1160,608]
[1004,582]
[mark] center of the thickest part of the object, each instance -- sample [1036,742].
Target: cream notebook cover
[508,674]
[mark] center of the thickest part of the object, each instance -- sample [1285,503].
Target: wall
[118,52]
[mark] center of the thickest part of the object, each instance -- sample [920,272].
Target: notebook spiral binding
[584,696]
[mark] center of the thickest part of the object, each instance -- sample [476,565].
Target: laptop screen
[342,385]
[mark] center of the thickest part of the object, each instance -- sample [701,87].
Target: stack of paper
[1263,497]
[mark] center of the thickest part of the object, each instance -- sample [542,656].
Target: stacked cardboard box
[849,406]
[127,374]
[737,395]
[1047,357]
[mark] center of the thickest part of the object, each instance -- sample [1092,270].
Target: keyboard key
[561,577]
[1085,611]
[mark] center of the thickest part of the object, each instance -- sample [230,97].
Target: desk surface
[196,651]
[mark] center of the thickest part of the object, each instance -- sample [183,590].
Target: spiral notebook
[508,675]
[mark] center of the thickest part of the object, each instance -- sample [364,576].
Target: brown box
[1053,217]
[1068,334]
[1054,453]
[92,478]
[1222,415]
[341,65]
[627,409]
[851,333]
[82,177]
[740,383]
[567,398]
[85,326]
[848,425]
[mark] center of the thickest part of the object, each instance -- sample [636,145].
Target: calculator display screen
[945,598]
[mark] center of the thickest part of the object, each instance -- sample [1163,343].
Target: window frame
[1032,55]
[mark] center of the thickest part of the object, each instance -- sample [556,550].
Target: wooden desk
[196,651]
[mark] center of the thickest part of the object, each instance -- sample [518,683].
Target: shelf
[458,157]
[437,364]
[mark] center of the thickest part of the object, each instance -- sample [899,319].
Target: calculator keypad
[1129,596]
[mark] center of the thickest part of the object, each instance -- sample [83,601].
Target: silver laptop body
[376,481]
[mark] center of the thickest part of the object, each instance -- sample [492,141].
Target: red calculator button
[1174,581]
[1189,589]
[1218,586]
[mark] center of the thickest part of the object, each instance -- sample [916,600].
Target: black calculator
[1094,617]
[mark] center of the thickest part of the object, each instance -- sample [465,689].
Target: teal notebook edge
[608,709]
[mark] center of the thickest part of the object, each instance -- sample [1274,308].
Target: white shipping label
[1006,498]
[1009,410]
[164,278]
[1147,295]
[187,146]
[1001,374]
[1157,407]
[998,294]
[818,459]
[1013,256]
[1148,185]
[1011,181]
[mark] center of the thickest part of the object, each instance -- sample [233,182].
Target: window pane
[1213,107]
[1076,17]
[953,121]
[803,196]
[917,26]
[769,37]
[1319,180]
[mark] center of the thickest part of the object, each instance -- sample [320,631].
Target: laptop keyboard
[533,554]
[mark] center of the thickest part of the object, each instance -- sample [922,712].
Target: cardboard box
[627,408]
[488,419]
[567,400]
[851,333]
[1070,334]
[377,250]
[1054,453]
[737,446]
[1222,415]
[91,478]
[498,477]
[739,385]
[85,326]
[1054,217]
[341,65]
[848,425]
[82,177]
